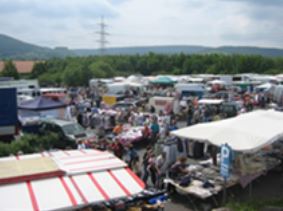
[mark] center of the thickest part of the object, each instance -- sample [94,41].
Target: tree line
[76,71]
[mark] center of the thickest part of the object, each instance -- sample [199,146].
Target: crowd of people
[91,113]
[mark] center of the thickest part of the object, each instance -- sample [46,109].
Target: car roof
[59,122]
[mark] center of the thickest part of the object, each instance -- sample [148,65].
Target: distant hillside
[11,48]
[173,49]
[271,52]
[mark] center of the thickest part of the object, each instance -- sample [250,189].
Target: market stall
[250,137]
[204,179]
[30,112]
[246,132]
[130,135]
[42,106]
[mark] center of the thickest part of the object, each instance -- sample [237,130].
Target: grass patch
[254,205]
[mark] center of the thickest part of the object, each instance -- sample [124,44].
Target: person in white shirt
[81,145]
[161,167]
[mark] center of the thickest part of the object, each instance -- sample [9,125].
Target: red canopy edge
[37,176]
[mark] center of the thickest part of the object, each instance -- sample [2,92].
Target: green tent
[165,80]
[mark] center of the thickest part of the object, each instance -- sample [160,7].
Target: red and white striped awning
[91,177]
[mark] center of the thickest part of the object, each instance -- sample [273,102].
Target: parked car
[128,104]
[70,133]
[230,109]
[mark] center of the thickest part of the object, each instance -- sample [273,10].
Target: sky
[75,23]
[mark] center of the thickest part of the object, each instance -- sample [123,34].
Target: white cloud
[73,23]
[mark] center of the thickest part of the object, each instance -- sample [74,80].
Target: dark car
[69,132]
[230,109]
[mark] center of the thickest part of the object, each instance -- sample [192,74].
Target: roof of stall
[89,177]
[41,103]
[247,132]
[163,80]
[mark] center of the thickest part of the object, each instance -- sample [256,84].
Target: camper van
[25,89]
[190,90]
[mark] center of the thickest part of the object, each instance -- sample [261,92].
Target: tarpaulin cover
[13,171]
[246,132]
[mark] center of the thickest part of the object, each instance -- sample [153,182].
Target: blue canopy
[41,103]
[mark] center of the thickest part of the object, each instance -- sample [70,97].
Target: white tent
[219,82]
[265,86]
[247,132]
[210,101]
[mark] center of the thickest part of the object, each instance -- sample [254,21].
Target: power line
[102,41]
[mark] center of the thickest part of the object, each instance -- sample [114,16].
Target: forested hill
[11,48]
[272,52]
[171,49]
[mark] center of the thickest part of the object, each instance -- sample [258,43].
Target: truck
[8,114]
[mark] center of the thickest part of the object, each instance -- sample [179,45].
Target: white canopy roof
[247,132]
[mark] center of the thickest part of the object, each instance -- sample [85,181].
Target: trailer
[8,113]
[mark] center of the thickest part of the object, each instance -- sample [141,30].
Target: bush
[4,149]
[29,143]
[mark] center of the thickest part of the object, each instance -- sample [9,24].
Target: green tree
[10,70]
[101,69]
[85,75]
[50,79]
[38,69]
[72,76]
[188,66]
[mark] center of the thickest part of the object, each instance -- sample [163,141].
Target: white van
[27,94]
[117,88]
[190,90]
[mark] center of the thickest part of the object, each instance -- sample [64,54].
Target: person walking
[132,156]
[154,130]
[146,156]
[161,167]
[152,169]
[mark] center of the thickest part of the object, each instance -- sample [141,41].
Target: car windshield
[73,129]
